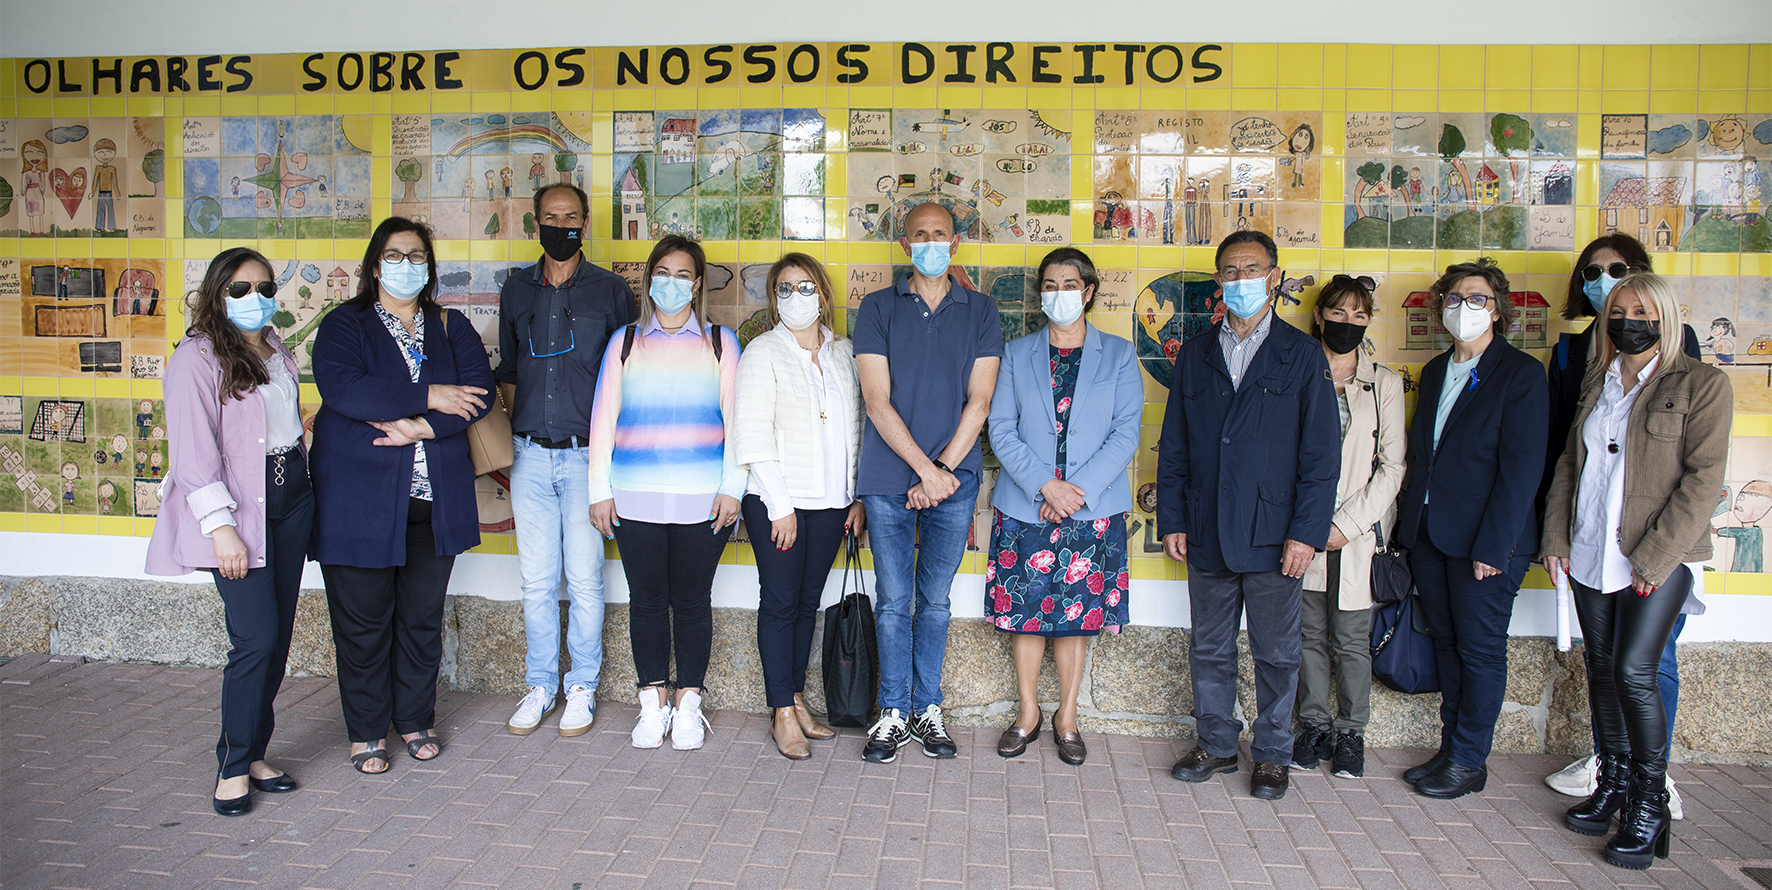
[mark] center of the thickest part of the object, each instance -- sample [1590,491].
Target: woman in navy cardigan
[1468,513]
[401,379]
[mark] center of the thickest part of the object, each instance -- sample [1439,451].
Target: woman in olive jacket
[1629,506]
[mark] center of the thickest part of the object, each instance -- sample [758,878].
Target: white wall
[35,28]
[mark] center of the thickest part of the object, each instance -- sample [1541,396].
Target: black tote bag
[851,653]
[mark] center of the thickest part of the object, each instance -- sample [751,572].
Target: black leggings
[1624,634]
[670,569]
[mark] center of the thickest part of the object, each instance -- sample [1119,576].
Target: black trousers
[260,614]
[387,627]
[790,583]
[1625,634]
[670,570]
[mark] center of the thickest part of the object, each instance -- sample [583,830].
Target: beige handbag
[489,438]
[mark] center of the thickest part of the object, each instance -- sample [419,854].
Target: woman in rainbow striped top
[664,483]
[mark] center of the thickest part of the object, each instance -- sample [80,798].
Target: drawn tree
[154,168]
[283,319]
[5,196]
[1512,136]
[492,226]
[565,162]
[306,293]
[409,172]
[1370,173]
[1451,147]
[529,224]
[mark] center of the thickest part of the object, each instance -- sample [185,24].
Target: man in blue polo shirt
[927,350]
[554,319]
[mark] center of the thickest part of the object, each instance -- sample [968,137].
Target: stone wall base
[1134,682]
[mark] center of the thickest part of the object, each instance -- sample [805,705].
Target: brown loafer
[1269,781]
[1071,749]
[809,726]
[1014,742]
[1198,766]
[788,738]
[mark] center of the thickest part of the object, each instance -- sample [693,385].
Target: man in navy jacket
[1249,460]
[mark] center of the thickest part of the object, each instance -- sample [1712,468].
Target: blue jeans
[550,500]
[916,553]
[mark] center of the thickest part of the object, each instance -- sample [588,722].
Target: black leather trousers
[1625,634]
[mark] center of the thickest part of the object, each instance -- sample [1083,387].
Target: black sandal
[375,752]
[425,737]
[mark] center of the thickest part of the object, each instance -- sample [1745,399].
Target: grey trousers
[1217,601]
[1345,637]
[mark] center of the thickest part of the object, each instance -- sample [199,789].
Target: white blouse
[1595,559]
[282,401]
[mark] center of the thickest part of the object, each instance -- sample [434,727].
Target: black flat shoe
[1452,780]
[276,784]
[237,806]
[1415,773]
[1071,749]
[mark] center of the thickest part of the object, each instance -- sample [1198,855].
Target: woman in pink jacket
[237,501]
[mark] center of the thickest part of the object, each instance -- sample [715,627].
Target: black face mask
[1341,337]
[560,242]
[1633,336]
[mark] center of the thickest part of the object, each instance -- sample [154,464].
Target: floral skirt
[1057,579]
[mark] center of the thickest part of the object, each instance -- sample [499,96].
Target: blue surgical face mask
[1062,306]
[1597,290]
[670,295]
[1245,296]
[931,257]
[404,280]
[251,312]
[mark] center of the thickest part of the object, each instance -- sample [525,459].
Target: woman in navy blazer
[1064,424]
[1468,513]
[401,379]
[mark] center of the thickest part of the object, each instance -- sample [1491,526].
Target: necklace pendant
[1613,447]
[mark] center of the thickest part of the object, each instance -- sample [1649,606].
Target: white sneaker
[1674,808]
[580,705]
[688,726]
[655,720]
[1578,779]
[531,711]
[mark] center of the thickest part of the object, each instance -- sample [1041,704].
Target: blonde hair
[1657,292]
[698,258]
[815,271]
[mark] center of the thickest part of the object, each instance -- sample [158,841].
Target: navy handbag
[1402,652]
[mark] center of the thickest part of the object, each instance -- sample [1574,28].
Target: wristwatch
[941,466]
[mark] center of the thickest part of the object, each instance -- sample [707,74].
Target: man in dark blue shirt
[554,319]
[927,350]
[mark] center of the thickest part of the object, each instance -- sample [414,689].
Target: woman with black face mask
[1336,617]
[1629,506]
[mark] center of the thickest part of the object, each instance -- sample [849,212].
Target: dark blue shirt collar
[956,291]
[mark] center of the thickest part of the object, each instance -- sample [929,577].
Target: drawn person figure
[144,418]
[320,183]
[155,459]
[36,174]
[104,187]
[234,185]
[58,419]
[1414,187]
[1300,144]
[70,472]
[490,181]
[505,176]
[439,167]
[1722,340]
[467,189]
[537,172]
[107,496]
[1751,506]
[1205,212]
[1190,203]
[119,445]
[578,177]
[141,462]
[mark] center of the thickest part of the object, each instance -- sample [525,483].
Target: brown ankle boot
[788,737]
[809,726]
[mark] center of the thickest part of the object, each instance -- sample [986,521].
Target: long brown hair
[241,369]
[815,271]
[1575,304]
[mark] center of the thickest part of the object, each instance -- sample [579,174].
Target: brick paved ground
[105,775]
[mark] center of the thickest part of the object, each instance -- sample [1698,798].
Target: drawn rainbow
[534,132]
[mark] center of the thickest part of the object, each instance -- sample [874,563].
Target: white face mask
[1466,322]
[1062,306]
[797,311]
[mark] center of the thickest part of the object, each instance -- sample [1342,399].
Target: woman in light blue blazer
[1064,424]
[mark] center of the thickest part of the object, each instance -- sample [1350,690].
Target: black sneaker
[928,728]
[1350,756]
[885,737]
[1311,747]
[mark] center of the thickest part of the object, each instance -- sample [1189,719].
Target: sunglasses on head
[1615,270]
[804,288]
[238,289]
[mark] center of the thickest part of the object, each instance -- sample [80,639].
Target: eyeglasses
[238,289]
[571,344]
[417,257]
[805,288]
[1615,270]
[1234,273]
[1475,301]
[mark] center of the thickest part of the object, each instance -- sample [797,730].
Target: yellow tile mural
[120,176]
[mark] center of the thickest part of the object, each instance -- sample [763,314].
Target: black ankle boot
[1646,829]
[1593,816]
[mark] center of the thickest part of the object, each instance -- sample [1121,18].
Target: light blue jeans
[916,553]
[550,500]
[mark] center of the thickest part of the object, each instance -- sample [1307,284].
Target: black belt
[568,442]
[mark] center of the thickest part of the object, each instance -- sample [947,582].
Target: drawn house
[338,284]
[676,143]
[1648,209]
[1530,330]
[1553,186]
[1487,188]
[633,208]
